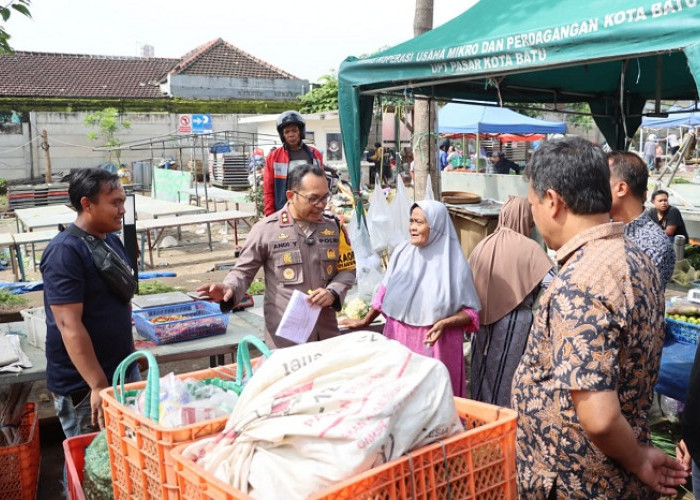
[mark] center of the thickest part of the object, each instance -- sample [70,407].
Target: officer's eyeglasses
[315,200]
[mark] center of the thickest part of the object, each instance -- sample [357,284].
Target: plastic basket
[477,463]
[19,465]
[139,447]
[35,323]
[681,331]
[201,319]
[74,450]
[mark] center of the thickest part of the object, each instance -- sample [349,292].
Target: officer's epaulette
[284,218]
[331,215]
[274,217]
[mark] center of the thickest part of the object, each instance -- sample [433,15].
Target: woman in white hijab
[428,295]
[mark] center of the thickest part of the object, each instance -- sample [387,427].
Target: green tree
[21,6]
[109,123]
[577,114]
[322,98]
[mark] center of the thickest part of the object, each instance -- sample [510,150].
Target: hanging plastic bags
[368,271]
[400,209]
[379,220]
[429,189]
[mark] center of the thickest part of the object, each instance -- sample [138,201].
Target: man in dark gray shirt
[628,182]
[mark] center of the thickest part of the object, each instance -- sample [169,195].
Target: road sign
[201,123]
[184,124]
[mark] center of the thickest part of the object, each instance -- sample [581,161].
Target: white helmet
[652,137]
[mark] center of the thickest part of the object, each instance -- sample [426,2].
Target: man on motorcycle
[291,128]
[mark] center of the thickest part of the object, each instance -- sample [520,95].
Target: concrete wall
[218,87]
[15,151]
[494,186]
[21,155]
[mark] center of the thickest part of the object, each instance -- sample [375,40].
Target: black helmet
[291,118]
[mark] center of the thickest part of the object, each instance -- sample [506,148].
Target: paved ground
[194,265]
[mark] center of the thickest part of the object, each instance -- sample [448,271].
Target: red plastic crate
[19,465]
[74,450]
[478,463]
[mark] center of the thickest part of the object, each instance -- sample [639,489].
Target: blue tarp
[457,118]
[689,117]
[674,373]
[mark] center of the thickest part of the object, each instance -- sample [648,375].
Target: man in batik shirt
[628,181]
[584,385]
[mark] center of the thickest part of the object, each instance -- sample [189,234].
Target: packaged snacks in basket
[188,401]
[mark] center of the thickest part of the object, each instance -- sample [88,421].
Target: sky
[307,38]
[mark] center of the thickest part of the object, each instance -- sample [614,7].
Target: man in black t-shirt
[502,165]
[88,327]
[667,216]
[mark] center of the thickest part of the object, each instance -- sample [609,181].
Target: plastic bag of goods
[319,413]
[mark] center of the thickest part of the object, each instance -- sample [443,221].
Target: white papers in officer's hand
[299,318]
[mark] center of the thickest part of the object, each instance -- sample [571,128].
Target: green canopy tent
[613,55]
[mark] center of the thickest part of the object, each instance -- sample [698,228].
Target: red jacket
[275,176]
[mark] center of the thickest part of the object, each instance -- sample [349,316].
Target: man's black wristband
[336,302]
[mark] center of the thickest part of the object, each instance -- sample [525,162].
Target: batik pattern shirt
[599,327]
[648,235]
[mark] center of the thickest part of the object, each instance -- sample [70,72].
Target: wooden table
[145,227]
[24,239]
[153,208]
[216,194]
[49,216]
[240,324]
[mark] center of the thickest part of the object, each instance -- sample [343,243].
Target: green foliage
[256,288]
[322,98]
[21,6]
[692,255]
[69,105]
[255,195]
[153,286]
[584,121]
[680,180]
[109,123]
[3,186]
[8,298]
[537,110]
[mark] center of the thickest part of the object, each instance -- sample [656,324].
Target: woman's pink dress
[448,348]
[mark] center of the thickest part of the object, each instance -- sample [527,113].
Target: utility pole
[424,142]
[45,146]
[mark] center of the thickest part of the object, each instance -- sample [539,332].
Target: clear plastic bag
[400,211]
[379,220]
[184,402]
[368,271]
[429,189]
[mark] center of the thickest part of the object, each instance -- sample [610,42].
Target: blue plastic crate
[201,319]
[681,331]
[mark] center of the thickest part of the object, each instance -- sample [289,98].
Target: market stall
[613,56]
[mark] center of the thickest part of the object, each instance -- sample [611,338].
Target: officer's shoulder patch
[331,216]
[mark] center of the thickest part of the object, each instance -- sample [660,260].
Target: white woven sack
[318,413]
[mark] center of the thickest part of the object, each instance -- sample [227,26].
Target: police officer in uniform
[301,248]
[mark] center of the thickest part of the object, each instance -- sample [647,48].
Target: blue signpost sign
[201,123]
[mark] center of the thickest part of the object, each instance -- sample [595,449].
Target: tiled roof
[220,58]
[43,74]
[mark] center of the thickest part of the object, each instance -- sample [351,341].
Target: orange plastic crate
[19,465]
[138,447]
[74,450]
[478,463]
